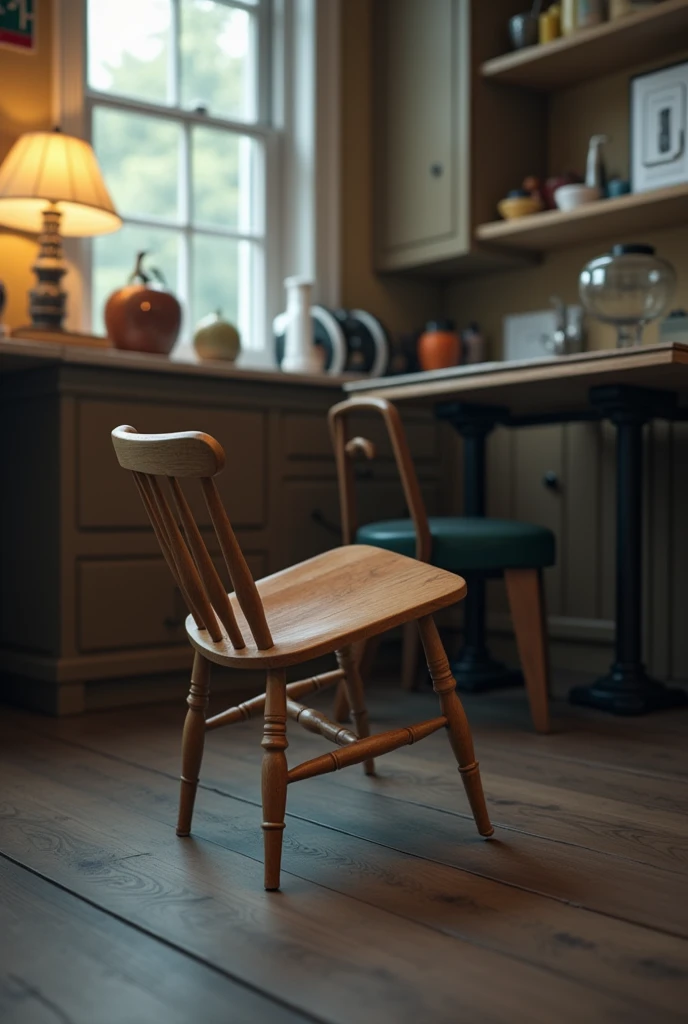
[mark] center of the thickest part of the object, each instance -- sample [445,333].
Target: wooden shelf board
[604,219]
[595,52]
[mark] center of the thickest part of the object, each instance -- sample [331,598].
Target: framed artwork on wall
[18,25]
[659,128]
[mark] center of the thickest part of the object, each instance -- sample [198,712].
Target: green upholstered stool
[466,544]
[469,546]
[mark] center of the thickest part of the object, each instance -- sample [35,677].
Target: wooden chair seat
[327,604]
[310,610]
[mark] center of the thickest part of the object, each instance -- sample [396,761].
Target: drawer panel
[311,520]
[128,603]
[107,497]
[307,437]
[133,602]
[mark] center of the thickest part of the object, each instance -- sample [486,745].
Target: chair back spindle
[239,572]
[193,455]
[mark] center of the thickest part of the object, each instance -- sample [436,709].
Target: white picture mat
[659,129]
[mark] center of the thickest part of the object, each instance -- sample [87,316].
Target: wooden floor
[392,909]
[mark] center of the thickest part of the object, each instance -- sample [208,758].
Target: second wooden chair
[462,544]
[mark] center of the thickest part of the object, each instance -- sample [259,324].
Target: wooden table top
[552,385]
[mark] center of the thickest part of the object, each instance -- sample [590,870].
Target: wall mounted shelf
[595,52]
[605,219]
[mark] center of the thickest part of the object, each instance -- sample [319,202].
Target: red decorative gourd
[143,317]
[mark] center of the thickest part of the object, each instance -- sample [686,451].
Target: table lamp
[51,185]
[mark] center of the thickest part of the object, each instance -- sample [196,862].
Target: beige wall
[25,104]
[600,106]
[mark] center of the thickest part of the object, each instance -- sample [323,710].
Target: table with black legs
[627,387]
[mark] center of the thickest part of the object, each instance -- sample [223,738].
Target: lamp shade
[49,167]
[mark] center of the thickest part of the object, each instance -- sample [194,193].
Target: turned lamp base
[47,300]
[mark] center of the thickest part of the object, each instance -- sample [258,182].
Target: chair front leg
[193,739]
[444,685]
[347,661]
[274,775]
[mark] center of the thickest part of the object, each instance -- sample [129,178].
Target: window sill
[19,354]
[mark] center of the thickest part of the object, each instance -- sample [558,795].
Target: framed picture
[18,25]
[659,128]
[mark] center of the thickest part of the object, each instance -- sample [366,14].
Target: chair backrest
[346,449]
[192,455]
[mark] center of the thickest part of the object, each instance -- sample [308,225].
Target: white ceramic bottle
[300,355]
[569,16]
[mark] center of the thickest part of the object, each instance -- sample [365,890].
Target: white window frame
[302,200]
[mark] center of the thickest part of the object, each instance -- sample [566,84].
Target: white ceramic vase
[300,355]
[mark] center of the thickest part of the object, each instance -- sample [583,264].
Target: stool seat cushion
[468,544]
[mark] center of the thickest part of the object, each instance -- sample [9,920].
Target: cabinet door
[421,99]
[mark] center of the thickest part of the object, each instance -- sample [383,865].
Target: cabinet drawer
[134,602]
[128,603]
[307,436]
[311,519]
[106,496]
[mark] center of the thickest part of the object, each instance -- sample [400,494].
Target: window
[216,123]
[177,104]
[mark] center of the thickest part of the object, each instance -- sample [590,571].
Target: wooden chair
[469,545]
[326,605]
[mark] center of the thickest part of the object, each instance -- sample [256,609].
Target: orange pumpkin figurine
[143,317]
[439,345]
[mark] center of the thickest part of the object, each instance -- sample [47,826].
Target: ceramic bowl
[518,206]
[570,197]
[523,30]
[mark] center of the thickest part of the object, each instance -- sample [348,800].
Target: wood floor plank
[64,960]
[424,775]
[310,941]
[599,951]
[639,891]
[652,743]
[525,760]
[649,836]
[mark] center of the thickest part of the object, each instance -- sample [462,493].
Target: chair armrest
[346,449]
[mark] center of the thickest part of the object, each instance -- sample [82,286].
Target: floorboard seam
[452,935]
[333,828]
[163,941]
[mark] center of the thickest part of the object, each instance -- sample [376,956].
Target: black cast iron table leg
[475,670]
[627,689]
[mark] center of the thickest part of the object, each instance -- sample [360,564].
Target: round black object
[639,250]
[367,342]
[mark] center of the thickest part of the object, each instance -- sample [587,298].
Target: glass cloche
[628,287]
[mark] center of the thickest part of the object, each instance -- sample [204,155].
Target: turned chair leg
[444,685]
[409,656]
[347,661]
[193,739]
[526,601]
[274,775]
[365,653]
[342,708]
